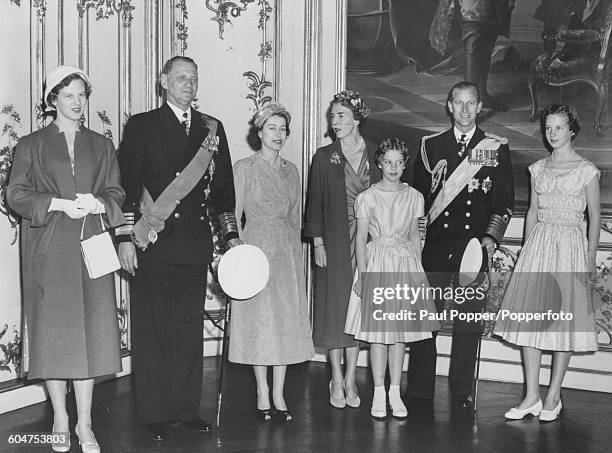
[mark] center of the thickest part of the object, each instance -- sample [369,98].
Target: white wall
[14,89]
[123,61]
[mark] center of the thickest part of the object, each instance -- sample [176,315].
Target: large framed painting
[404,55]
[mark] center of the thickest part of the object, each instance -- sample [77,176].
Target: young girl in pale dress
[553,269]
[389,212]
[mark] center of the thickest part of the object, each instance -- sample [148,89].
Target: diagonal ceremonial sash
[457,181]
[154,213]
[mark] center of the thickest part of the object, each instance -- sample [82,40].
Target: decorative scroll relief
[107,8]
[10,352]
[223,8]
[41,8]
[9,133]
[259,83]
[182,32]
[123,318]
[257,87]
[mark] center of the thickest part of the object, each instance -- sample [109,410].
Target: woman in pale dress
[389,213]
[555,264]
[64,177]
[272,328]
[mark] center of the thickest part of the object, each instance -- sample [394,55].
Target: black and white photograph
[305,226]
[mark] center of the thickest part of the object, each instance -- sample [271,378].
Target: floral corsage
[336,158]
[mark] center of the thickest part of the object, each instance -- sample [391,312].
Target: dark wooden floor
[584,426]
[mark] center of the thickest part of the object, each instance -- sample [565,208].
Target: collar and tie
[185,123]
[462,145]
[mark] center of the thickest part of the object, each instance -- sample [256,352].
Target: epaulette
[427,137]
[502,140]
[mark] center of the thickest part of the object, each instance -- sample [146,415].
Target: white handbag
[99,253]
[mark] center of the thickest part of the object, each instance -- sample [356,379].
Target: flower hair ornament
[353,98]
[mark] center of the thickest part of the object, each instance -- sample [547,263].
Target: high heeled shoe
[351,401]
[89,446]
[339,403]
[265,414]
[518,414]
[552,415]
[284,416]
[63,438]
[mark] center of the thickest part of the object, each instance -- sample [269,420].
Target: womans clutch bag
[99,252]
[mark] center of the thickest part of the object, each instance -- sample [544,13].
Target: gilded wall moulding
[10,353]
[225,8]
[39,5]
[264,13]
[182,31]
[107,8]
[258,83]
[123,318]
[106,124]
[7,152]
[265,51]
[41,8]
[257,87]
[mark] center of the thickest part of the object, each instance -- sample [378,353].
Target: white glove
[90,203]
[69,207]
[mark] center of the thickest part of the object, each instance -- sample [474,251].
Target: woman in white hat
[64,177]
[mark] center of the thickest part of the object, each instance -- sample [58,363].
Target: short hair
[463,85]
[391,144]
[52,96]
[168,65]
[259,119]
[352,100]
[561,109]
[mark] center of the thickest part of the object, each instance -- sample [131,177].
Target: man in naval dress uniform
[465,176]
[168,254]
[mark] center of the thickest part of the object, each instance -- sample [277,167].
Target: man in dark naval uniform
[465,176]
[174,163]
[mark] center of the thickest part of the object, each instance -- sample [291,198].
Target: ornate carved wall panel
[122,44]
[37,36]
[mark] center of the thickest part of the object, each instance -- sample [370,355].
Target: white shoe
[518,414]
[399,409]
[87,447]
[352,401]
[379,403]
[395,401]
[63,444]
[339,403]
[549,416]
